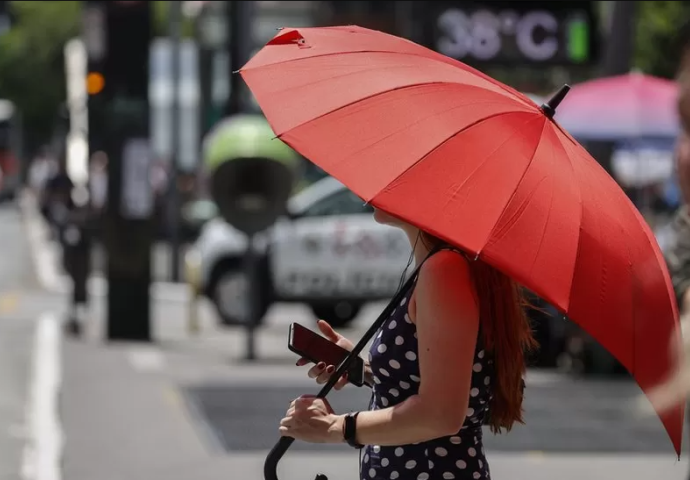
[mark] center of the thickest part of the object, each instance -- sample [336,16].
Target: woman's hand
[322,372]
[312,419]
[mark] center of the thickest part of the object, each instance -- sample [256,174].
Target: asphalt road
[562,415]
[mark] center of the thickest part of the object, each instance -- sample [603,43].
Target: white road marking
[146,359]
[43,452]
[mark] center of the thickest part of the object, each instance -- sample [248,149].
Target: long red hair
[506,335]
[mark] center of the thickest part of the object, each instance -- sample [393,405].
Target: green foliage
[657,50]
[31,60]
[160,20]
[32,72]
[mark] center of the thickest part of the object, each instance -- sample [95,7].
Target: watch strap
[350,430]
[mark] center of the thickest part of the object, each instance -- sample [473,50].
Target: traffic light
[95,82]
[129,34]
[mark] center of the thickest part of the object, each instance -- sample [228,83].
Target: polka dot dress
[393,358]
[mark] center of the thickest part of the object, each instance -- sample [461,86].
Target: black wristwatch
[350,430]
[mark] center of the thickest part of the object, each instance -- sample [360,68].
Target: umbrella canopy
[470,160]
[622,107]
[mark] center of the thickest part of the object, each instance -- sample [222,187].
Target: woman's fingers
[322,374]
[325,375]
[316,370]
[302,362]
[328,331]
[341,382]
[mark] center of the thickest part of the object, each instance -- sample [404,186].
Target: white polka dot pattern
[441,452]
[394,362]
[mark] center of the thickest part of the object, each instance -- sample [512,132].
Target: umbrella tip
[549,108]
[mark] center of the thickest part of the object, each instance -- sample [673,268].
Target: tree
[657,49]
[32,72]
[32,62]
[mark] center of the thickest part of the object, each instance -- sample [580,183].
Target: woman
[449,359]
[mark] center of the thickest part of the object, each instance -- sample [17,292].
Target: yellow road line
[8,303]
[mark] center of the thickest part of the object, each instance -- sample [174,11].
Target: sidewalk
[125,415]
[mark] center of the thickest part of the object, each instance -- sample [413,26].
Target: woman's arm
[368,375]
[447,320]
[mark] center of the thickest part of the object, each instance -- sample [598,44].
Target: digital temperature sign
[513,33]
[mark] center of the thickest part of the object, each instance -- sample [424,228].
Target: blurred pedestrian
[98,181]
[43,167]
[69,215]
[461,327]
[57,197]
[676,388]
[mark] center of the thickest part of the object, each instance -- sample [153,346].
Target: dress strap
[445,246]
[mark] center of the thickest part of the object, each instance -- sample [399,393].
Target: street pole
[175,19]
[241,19]
[123,132]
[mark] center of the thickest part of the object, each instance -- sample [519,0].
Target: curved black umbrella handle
[274,456]
[279,449]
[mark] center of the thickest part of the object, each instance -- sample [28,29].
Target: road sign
[508,33]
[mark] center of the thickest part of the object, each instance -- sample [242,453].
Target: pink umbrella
[624,107]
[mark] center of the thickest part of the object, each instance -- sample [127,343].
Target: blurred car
[327,252]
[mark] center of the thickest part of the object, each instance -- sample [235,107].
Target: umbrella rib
[436,57]
[560,145]
[441,144]
[510,199]
[386,92]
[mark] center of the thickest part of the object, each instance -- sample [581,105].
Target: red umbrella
[480,165]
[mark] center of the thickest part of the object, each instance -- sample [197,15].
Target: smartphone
[316,348]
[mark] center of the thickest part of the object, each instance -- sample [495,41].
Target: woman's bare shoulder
[445,265]
[445,290]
